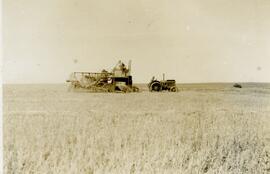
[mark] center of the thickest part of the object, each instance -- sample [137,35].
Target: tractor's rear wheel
[155,86]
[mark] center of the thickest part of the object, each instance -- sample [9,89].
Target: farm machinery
[118,80]
[156,85]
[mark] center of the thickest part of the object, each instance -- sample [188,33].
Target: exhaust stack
[163,76]
[129,67]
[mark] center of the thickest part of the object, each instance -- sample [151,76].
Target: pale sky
[189,40]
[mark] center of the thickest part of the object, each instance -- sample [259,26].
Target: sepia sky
[189,40]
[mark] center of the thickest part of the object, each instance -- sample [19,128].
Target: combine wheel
[76,84]
[135,89]
[100,84]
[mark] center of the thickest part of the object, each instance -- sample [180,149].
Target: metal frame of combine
[119,80]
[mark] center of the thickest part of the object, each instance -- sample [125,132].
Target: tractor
[157,86]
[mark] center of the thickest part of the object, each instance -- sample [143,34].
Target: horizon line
[141,83]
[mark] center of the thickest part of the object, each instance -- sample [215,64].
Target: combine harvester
[118,80]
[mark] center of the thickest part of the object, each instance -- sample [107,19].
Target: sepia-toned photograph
[136,87]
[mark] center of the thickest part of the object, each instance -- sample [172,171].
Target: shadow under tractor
[157,86]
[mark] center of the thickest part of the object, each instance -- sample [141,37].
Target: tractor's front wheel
[173,89]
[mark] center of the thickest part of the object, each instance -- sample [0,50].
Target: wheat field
[203,129]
